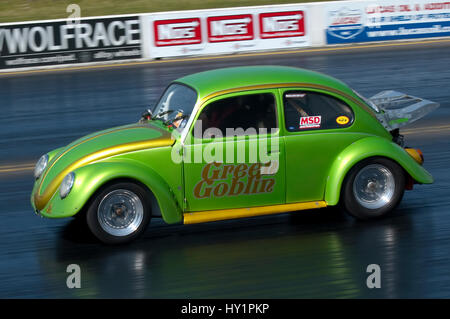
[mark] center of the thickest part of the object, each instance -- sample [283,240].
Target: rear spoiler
[399,109]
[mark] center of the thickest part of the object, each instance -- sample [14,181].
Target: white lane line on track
[430,129]
[12,168]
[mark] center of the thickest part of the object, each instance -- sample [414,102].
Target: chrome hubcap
[374,186]
[120,212]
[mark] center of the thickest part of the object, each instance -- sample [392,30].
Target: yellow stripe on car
[223,214]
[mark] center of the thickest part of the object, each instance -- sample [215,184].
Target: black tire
[137,196]
[354,198]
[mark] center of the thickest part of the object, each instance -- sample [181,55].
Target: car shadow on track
[316,220]
[197,260]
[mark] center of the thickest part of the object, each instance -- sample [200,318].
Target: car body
[314,131]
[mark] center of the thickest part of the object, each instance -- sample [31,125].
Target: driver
[180,120]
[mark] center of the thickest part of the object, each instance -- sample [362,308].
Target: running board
[223,214]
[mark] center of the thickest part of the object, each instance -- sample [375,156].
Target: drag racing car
[234,143]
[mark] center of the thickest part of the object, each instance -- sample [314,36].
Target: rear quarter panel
[311,154]
[370,147]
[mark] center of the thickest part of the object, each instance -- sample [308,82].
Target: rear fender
[365,148]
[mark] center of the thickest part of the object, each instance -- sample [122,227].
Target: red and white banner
[281,24]
[230,28]
[225,30]
[177,32]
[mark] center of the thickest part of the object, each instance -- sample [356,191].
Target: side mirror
[147,115]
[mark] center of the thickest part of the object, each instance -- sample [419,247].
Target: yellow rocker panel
[223,214]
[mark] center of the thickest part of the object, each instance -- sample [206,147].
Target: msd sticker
[230,28]
[177,32]
[282,24]
[310,122]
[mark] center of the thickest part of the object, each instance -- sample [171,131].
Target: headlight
[40,166]
[66,185]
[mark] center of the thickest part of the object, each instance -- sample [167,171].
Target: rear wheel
[373,188]
[119,213]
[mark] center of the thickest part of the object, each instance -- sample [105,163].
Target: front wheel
[119,213]
[373,188]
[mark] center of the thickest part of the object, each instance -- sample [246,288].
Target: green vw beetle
[233,143]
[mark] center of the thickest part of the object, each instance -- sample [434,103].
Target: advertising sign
[230,28]
[59,42]
[177,32]
[281,24]
[365,21]
[225,30]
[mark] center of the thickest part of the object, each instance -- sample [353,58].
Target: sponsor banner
[225,30]
[58,42]
[281,24]
[230,28]
[177,32]
[365,21]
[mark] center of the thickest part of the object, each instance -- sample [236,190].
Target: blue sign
[345,25]
[348,26]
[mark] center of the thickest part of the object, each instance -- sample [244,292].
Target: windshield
[176,105]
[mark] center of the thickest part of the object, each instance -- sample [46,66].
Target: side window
[238,115]
[304,110]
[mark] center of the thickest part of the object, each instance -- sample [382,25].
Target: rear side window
[305,110]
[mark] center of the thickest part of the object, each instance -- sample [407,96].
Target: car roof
[209,82]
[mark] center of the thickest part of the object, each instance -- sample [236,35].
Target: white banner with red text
[228,30]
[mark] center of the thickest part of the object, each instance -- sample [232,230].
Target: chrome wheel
[374,186]
[120,212]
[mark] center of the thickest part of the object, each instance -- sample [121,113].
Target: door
[233,156]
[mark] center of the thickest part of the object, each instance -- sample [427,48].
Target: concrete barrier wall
[218,31]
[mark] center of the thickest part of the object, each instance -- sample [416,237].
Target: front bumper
[55,208]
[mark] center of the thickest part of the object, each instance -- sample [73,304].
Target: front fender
[54,152]
[89,178]
[365,148]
